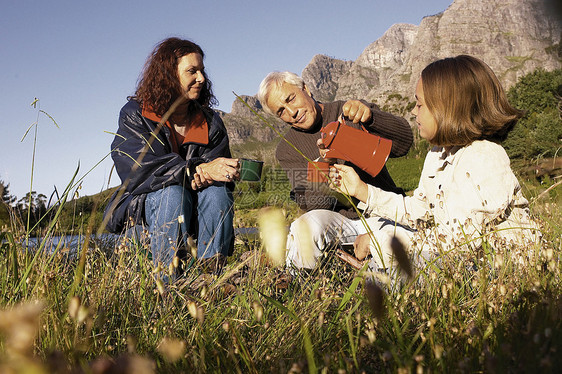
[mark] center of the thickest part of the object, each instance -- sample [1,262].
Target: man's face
[293,105]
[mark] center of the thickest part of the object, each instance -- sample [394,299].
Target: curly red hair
[159,85]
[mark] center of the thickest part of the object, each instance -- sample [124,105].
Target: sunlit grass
[476,313]
[99,309]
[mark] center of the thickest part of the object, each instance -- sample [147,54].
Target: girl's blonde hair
[467,100]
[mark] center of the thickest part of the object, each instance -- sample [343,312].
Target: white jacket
[464,194]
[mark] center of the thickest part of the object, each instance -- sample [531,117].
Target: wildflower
[73,306]
[498,261]
[401,256]
[20,326]
[321,317]
[503,290]
[273,234]
[306,248]
[375,296]
[258,310]
[83,314]
[160,286]
[192,308]
[196,311]
[158,269]
[438,351]
[192,246]
[226,326]
[171,349]
[371,335]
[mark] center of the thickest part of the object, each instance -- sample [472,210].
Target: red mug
[318,171]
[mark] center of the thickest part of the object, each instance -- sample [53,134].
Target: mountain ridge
[515,38]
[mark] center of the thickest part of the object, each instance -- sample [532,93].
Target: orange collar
[197,132]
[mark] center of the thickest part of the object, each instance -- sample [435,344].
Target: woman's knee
[167,203]
[174,195]
[216,197]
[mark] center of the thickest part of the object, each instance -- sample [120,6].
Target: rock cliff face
[322,75]
[243,125]
[514,37]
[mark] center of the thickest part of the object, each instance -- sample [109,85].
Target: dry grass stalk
[20,326]
[172,349]
[401,256]
[375,296]
[273,232]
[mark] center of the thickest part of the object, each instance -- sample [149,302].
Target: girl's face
[190,74]
[424,119]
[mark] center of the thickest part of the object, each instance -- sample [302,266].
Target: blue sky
[82,59]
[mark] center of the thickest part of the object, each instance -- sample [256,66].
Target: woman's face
[424,119]
[190,74]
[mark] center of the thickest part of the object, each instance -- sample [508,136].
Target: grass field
[102,312]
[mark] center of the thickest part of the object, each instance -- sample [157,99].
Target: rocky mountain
[514,37]
[243,125]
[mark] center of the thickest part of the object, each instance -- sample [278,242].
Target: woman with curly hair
[172,154]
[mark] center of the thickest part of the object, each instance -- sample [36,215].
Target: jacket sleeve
[143,157]
[391,127]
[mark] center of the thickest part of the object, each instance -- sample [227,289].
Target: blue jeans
[215,213]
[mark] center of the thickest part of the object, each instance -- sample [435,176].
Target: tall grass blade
[346,297]
[307,342]
[47,235]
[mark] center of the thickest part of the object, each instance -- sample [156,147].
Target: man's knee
[308,225]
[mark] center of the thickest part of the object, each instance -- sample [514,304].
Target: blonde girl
[467,191]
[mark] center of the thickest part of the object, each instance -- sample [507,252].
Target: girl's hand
[323,150]
[344,179]
[221,169]
[361,246]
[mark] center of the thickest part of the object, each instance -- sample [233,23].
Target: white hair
[276,79]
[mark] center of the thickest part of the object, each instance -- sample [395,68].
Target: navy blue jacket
[159,167]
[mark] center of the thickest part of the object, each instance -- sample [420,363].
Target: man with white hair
[285,95]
